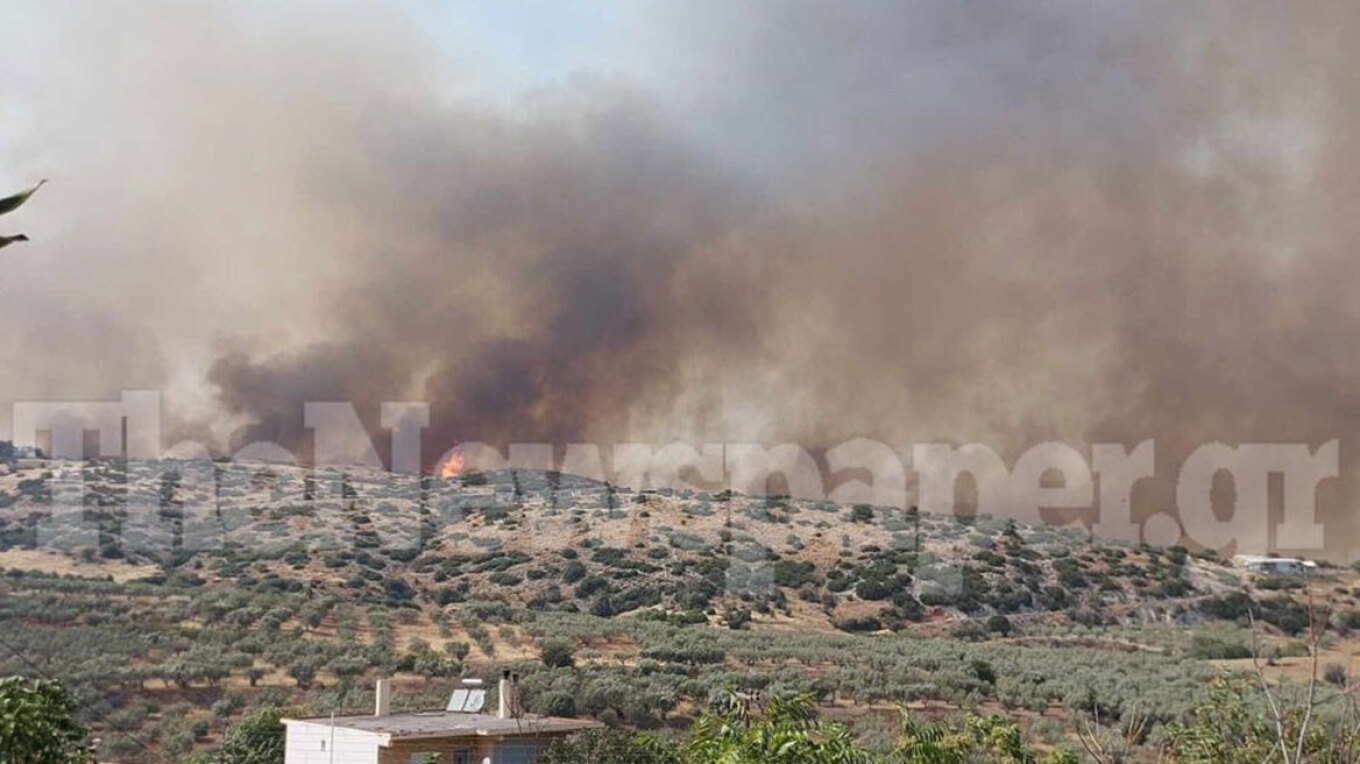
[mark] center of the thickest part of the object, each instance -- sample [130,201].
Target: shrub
[573,571]
[555,703]
[1335,674]
[591,585]
[558,653]
[737,618]
[398,590]
[504,578]
[793,573]
[969,631]
[1211,648]
[999,624]
[1279,583]
[859,623]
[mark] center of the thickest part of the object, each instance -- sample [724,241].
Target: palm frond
[12,203]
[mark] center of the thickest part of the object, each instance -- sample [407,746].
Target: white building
[1288,566]
[459,737]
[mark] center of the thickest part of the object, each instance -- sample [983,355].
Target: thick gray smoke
[796,220]
[532,276]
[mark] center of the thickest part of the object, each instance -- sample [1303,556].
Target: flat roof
[428,724]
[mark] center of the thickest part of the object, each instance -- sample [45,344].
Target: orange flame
[453,465]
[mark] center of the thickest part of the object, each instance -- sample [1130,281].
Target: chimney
[383,693]
[503,693]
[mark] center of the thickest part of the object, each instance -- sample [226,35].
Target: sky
[911,220]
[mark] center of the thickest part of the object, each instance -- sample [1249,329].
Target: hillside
[548,541]
[214,587]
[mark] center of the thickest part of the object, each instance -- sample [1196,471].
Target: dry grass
[60,564]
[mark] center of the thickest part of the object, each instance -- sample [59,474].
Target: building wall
[406,752]
[518,751]
[510,750]
[312,743]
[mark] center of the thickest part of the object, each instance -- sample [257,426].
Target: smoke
[787,221]
[533,275]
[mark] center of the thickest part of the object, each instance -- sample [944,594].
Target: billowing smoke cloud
[789,221]
[533,275]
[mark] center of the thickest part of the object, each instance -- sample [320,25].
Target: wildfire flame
[453,465]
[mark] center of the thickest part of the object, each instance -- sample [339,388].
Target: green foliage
[591,585]
[858,623]
[1335,674]
[554,703]
[737,617]
[1211,648]
[787,733]
[794,573]
[257,739]
[609,746]
[999,624]
[1230,729]
[990,739]
[558,653]
[1281,611]
[37,724]
[192,624]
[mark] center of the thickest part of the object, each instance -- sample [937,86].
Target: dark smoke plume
[532,278]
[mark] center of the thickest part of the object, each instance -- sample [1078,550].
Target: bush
[555,703]
[558,653]
[398,590]
[1335,674]
[969,630]
[603,606]
[1213,649]
[573,571]
[999,624]
[793,573]
[1279,583]
[859,623]
[591,585]
[737,618]
[1231,607]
